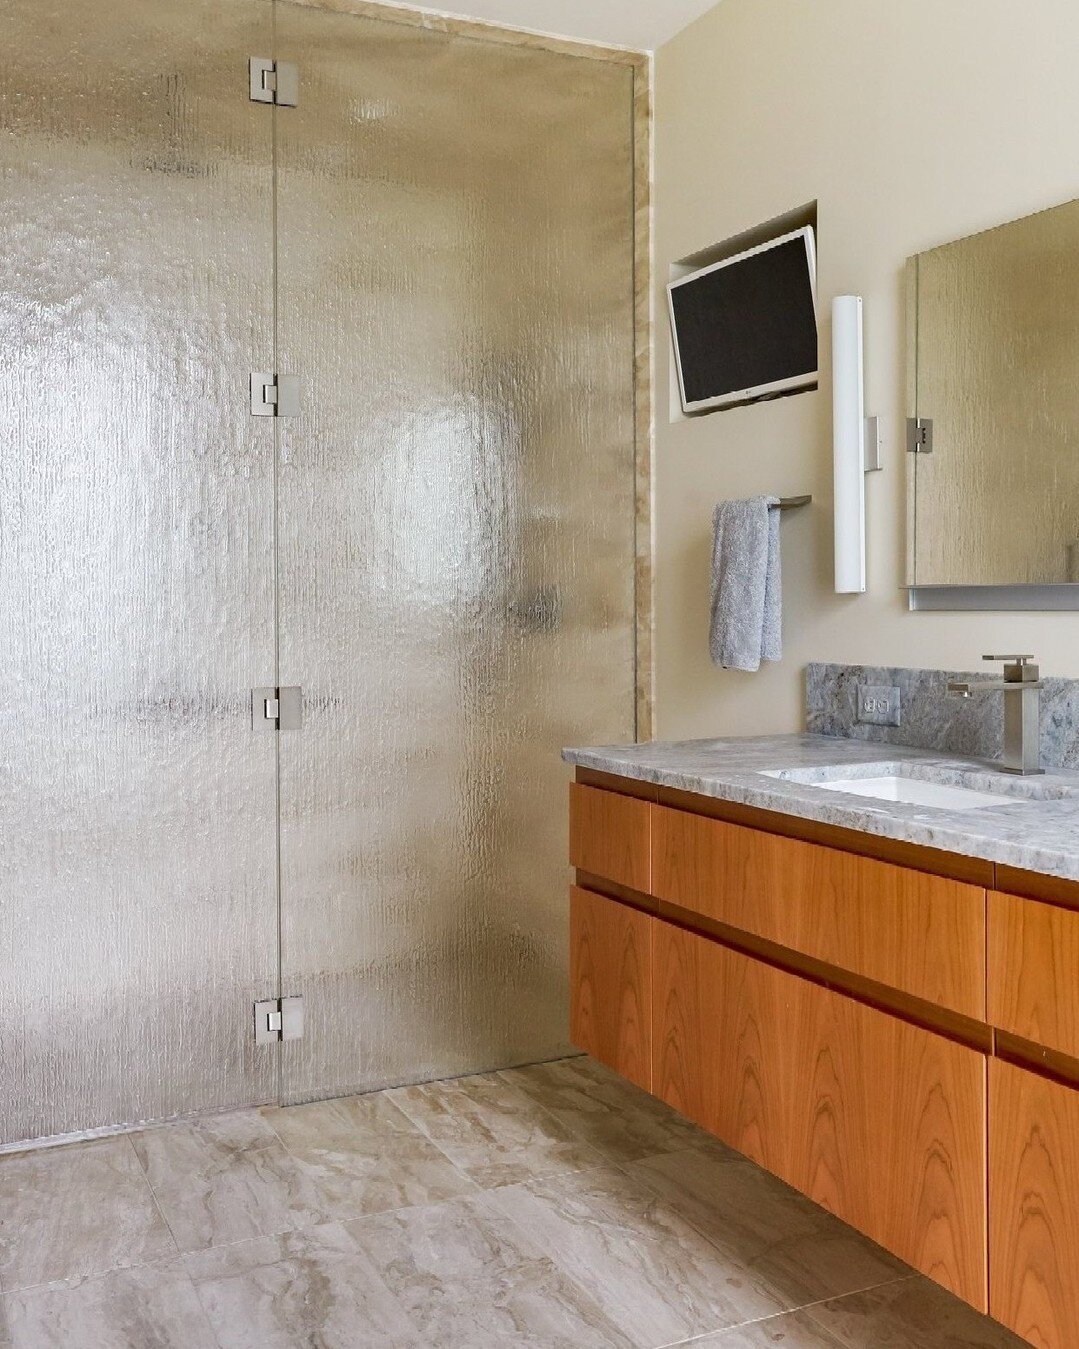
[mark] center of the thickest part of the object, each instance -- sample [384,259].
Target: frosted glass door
[456,531]
[138,914]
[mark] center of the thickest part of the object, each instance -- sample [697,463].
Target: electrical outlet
[878,704]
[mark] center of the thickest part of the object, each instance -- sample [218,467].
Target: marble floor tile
[914,1314]
[364,1155]
[796,1250]
[494,1132]
[653,1273]
[152,1306]
[226,1178]
[468,1276]
[316,1287]
[76,1210]
[611,1115]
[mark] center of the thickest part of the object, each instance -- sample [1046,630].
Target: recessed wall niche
[790,221]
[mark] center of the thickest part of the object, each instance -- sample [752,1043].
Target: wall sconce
[856,443]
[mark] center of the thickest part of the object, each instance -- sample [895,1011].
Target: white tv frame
[805,381]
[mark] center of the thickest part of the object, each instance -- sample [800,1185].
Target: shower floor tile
[153,1304]
[75,1210]
[316,1287]
[657,1277]
[618,1120]
[468,1275]
[782,1241]
[495,1132]
[546,1206]
[911,1314]
[364,1156]
[226,1178]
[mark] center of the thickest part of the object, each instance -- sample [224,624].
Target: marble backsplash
[932,719]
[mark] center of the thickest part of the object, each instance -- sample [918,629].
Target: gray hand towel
[746,586]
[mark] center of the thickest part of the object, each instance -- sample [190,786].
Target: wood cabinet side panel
[611,984]
[610,836]
[909,930]
[1034,971]
[1034,1206]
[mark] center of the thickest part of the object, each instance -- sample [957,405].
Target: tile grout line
[159,1207]
[786,1311]
[384,1095]
[416,1124]
[822,1302]
[791,1311]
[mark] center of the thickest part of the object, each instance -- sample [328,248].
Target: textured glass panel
[997,330]
[137,870]
[455,246]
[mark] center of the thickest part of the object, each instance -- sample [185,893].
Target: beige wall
[911,122]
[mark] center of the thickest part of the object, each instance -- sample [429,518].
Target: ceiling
[642,24]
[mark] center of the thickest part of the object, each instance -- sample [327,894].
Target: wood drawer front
[1034,1206]
[1034,971]
[611,984]
[609,835]
[921,934]
[879,1121]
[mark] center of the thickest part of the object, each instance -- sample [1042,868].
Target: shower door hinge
[277,709]
[278,1019]
[274,395]
[919,435]
[274,82]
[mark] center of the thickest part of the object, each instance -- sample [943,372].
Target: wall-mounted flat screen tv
[746,327]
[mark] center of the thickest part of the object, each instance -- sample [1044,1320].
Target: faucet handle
[1017,669]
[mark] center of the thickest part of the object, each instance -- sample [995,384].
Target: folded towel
[746,587]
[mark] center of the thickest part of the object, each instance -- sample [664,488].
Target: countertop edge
[787,799]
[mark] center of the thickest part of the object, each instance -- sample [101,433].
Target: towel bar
[789,503]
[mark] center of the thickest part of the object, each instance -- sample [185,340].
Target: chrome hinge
[274,82]
[278,1019]
[277,709]
[274,395]
[919,435]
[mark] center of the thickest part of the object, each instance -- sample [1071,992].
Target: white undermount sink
[923,785]
[914,792]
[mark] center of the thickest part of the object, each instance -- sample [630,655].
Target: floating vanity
[876,998]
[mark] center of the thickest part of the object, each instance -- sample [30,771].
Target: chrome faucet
[1021,685]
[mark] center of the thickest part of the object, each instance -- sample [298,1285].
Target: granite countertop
[1040,834]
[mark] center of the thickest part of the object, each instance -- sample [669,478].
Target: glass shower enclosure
[433,542]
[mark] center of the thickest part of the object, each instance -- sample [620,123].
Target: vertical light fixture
[851,432]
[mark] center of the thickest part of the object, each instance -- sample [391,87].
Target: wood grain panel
[975,870]
[609,782]
[1034,971]
[920,933]
[1053,889]
[610,836]
[1034,1206]
[880,1121]
[611,984]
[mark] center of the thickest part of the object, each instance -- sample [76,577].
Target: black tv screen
[746,327]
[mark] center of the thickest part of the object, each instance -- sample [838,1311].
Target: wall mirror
[993,376]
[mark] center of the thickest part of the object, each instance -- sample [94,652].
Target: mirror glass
[993,332]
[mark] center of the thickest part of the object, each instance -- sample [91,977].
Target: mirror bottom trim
[1045,598]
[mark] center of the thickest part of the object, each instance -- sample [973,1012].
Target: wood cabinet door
[879,1121]
[610,836]
[1034,971]
[611,984]
[1034,1206]
[906,929]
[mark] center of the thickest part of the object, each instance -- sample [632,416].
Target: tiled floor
[547,1206]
